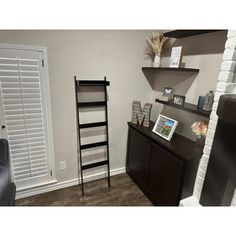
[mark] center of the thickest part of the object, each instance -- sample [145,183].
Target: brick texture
[226,84]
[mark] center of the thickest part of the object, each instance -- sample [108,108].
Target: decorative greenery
[200,128]
[155,44]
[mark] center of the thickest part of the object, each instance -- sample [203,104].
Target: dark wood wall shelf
[187,33]
[187,107]
[179,69]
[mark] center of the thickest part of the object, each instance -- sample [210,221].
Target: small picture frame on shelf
[176,57]
[168,92]
[165,127]
[178,100]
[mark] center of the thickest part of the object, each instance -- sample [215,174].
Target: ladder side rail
[79,154]
[108,156]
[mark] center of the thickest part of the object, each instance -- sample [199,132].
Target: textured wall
[226,84]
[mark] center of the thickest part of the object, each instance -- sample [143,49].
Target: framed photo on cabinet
[165,127]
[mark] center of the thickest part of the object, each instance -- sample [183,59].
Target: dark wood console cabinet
[164,171]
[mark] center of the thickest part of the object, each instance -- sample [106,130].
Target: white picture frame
[165,132]
[176,57]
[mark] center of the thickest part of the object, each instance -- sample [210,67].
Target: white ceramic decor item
[157,60]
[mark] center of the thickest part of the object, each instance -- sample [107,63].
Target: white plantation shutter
[22,103]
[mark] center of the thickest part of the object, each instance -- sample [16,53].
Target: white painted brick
[234,78]
[205,161]
[210,133]
[226,84]
[229,55]
[226,76]
[231,43]
[212,124]
[217,96]
[213,116]
[225,87]
[197,191]
[228,66]
[189,202]
[208,141]
[231,33]
[201,174]
[233,202]
[203,166]
[205,158]
[207,150]
[215,105]
[199,179]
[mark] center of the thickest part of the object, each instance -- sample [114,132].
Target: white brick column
[226,84]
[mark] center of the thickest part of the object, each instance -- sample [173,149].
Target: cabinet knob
[3,126]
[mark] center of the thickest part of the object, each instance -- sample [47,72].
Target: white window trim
[48,106]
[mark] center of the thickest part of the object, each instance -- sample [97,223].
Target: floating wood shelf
[187,33]
[179,69]
[91,125]
[92,104]
[96,164]
[187,107]
[93,83]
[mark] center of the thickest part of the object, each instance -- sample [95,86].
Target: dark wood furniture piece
[187,107]
[165,171]
[187,33]
[170,69]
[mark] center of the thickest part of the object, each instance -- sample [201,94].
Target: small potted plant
[155,44]
[200,128]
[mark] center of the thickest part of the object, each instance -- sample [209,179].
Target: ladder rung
[90,125]
[93,83]
[96,164]
[91,104]
[92,145]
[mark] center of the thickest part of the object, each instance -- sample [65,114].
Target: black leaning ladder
[79,105]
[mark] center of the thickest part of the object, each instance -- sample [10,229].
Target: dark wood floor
[123,192]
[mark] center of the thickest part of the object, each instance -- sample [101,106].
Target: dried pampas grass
[156,43]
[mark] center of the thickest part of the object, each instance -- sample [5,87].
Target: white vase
[157,60]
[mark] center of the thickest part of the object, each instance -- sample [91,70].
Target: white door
[23,116]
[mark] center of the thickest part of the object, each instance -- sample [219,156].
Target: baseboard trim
[65,184]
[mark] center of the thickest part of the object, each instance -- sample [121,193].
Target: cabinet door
[165,178]
[138,157]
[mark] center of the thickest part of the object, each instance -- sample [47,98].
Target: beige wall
[119,56]
[116,54]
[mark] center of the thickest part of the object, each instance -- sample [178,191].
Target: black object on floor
[7,188]
[81,105]
[220,180]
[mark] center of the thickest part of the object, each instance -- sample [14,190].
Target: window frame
[47,94]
